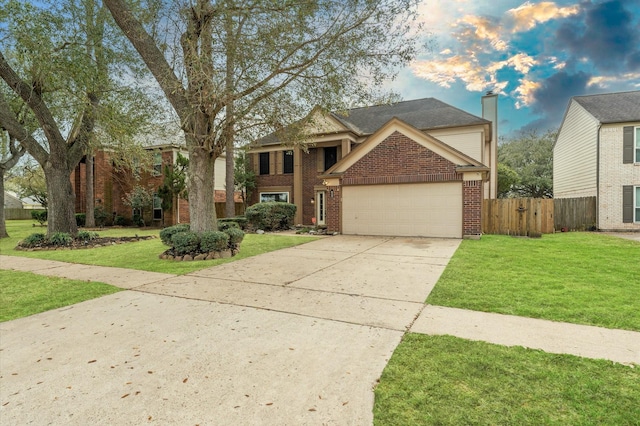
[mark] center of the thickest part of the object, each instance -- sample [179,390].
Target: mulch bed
[87,244]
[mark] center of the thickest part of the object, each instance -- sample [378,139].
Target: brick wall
[333,208]
[399,159]
[472,211]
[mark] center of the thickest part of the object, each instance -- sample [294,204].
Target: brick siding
[472,208]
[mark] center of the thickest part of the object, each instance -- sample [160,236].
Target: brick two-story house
[414,168]
[597,154]
[111,184]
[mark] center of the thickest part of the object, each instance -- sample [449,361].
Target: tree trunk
[90,219]
[230,202]
[61,201]
[3,225]
[202,211]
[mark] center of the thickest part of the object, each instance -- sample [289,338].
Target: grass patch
[141,255]
[24,293]
[583,278]
[443,380]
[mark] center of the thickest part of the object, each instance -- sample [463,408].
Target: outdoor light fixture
[313,200]
[331,193]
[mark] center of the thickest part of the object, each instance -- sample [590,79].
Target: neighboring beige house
[597,154]
[13,201]
[413,168]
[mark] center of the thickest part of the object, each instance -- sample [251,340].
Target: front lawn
[24,293]
[582,278]
[443,380]
[141,255]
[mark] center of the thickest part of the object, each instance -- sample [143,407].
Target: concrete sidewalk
[555,337]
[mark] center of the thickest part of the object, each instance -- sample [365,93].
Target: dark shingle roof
[424,114]
[612,107]
[427,113]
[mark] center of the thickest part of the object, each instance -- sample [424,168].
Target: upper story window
[157,163]
[287,162]
[264,163]
[330,157]
[637,204]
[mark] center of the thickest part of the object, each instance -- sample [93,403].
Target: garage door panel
[425,209]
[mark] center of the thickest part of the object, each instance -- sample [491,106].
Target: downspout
[598,176]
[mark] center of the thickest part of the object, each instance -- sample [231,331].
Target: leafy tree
[248,66]
[507,180]
[29,181]
[63,62]
[244,177]
[10,154]
[530,155]
[174,183]
[139,198]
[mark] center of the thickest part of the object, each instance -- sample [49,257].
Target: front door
[321,207]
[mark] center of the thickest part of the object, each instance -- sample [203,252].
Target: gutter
[598,175]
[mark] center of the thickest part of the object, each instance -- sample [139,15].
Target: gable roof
[418,136]
[423,114]
[612,107]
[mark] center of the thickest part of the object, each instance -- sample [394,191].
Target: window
[274,196]
[330,157]
[637,204]
[157,163]
[157,207]
[264,163]
[637,145]
[287,162]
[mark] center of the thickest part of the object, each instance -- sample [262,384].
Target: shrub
[119,221]
[87,236]
[100,216]
[271,216]
[81,219]
[33,240]
[235,237]
[222,226]
[185,242]
[214,241]
[241,221]
[168,232]
[39,216]
[60,239]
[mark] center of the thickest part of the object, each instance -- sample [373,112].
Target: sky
[535,55]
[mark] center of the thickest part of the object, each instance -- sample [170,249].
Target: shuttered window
[628,143]
[627,204]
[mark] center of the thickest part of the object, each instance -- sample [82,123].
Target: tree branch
[16,131]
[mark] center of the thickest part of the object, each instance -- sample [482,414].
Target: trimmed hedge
[235,237]
[185,242]
[81,219]
[271,216]
[214,241]
[168,232]
[241,221]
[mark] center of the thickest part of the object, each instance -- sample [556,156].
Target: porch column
[297,184]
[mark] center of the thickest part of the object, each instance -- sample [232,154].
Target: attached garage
[409,209]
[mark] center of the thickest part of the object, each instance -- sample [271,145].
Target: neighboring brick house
[597,154]
[112,184]
[414,168]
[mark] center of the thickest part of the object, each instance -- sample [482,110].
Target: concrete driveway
[297,336]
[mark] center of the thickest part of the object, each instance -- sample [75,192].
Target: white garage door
[416,209]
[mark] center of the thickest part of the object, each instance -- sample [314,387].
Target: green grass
[443,380]
[141,255]
[583,278]
[24,293]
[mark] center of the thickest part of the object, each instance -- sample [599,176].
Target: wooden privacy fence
[518,216]
[18,214]
[221,212]
[574,214]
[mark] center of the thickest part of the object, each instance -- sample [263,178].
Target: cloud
[553,93]
[605,82]
[528,15]
[605,34]
[478,28]
[525,92]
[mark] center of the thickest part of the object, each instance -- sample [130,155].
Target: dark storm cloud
[605,33]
